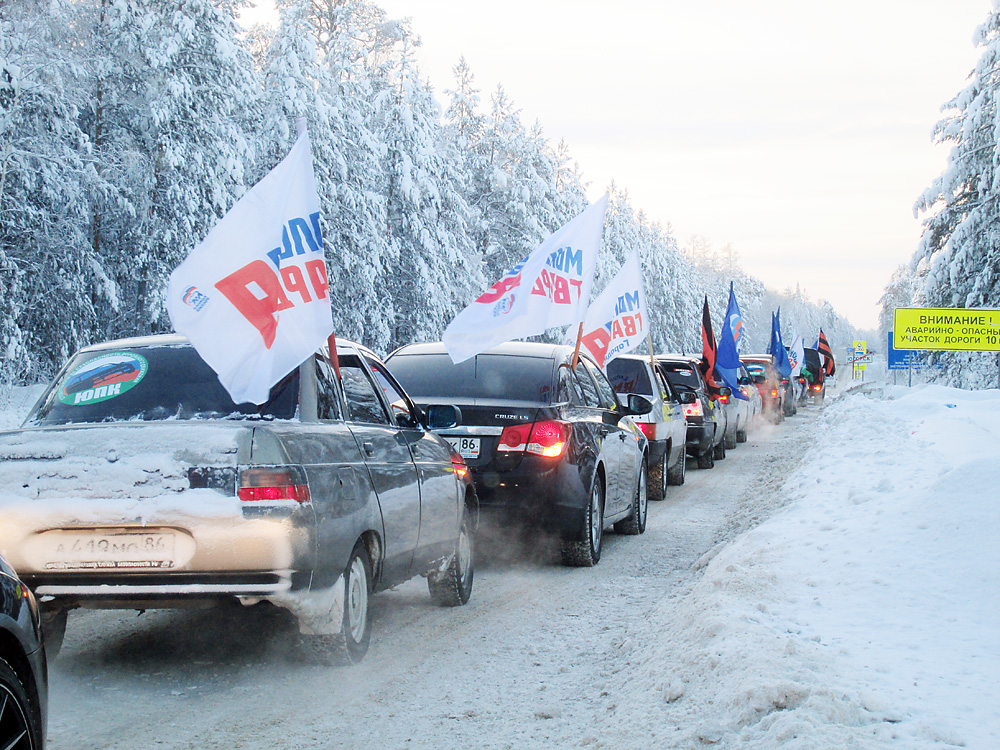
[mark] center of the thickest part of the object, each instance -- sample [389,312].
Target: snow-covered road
[540,657]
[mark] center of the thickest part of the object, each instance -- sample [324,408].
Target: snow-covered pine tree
[51,282]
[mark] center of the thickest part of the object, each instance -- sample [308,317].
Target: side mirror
[443,417]
[725,391]
[688,397]
[639,404]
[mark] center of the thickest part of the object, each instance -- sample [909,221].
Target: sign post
[859,359]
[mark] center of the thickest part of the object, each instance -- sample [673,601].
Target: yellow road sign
[947,329]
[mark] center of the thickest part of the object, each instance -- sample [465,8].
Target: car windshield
[485,376]
[681,376]
[149,383]
[629,376]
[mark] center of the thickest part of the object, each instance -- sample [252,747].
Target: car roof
[678,358]
[175,339]
[510,348]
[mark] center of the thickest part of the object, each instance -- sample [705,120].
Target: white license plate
[467,447]
[110,550]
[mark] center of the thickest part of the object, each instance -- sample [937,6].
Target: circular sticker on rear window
[103,377]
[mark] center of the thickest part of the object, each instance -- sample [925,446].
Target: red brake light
[269,484]
[515,437]
[723,399]
[549,438]
[458,466]
[774,394]
[648,429]
[693,410]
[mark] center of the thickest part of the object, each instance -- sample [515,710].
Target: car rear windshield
[151,383]
[485,376]
[681,376]
[629,376]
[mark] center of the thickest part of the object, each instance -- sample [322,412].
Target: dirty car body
[159,491]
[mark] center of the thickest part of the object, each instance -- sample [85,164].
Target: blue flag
[727,362]
[777,348]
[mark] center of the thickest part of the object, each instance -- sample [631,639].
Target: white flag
[253,297]
[549,288]
[616,321]
[796,356]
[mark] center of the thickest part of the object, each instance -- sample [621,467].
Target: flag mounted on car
[616,321]
[551,287]
[253,297]
[823,347]
[730,343]
[708,350]
[777,347]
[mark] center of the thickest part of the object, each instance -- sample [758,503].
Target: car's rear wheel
[20,723]
[350,645]
[586,552]
[658,474]
[719,452]
[706,460]
[635,523]
[453,586]
[678,471]
[731,438]
[742,435]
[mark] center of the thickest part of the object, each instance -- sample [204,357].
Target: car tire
[731,439]
[53,631]
[20,722]
[635,523]
[586,552]
[658,477]
[350,645]
[677,472]
[741,435]
[706,460]
[719,452]
[453,586]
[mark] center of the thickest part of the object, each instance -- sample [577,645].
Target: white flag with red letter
[549,288]
[253,297]
[616,321]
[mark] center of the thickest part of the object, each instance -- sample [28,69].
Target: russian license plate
[104,549]
[467,447]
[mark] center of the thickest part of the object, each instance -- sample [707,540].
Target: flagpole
[649,345]
[576,352]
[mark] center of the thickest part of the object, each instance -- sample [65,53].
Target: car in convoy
[706,417]
[23,669]
[159,491]
[665,427]
[549,446]
[816,380]
[768,381]
[739,412]
[746,384]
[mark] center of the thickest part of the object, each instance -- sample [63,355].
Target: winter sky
[797,132]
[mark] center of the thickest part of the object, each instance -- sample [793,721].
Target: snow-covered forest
[129,127]
[957,263]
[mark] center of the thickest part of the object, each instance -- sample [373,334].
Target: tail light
[459,467]
[648,429]
[270,484]
[546,438]
[723,399]
[817,387]
[774,394]
[745,391]
[693,410]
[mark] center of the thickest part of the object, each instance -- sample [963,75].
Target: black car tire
[719,451]
[586,552]
[635,522]
[20,723]
[731,439]
[706,460]
[677,472]
[741,435]
[53,630]
[350,645]
[453,586]
[658,477]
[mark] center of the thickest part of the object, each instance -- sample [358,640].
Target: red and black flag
[823,347]
[708,350]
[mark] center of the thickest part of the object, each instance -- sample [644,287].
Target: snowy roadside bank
[866,613]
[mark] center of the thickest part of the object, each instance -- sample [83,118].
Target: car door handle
[369,448]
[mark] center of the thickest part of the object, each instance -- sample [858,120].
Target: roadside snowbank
[866,613]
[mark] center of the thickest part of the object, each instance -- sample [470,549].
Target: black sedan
[706,417]
[23,673]
[547,446]
[159,491]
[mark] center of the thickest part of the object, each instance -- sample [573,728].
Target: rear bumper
[550,496]
[700,438]
[75,589]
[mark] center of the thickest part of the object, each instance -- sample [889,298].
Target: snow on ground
[15,403]
[867,612]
